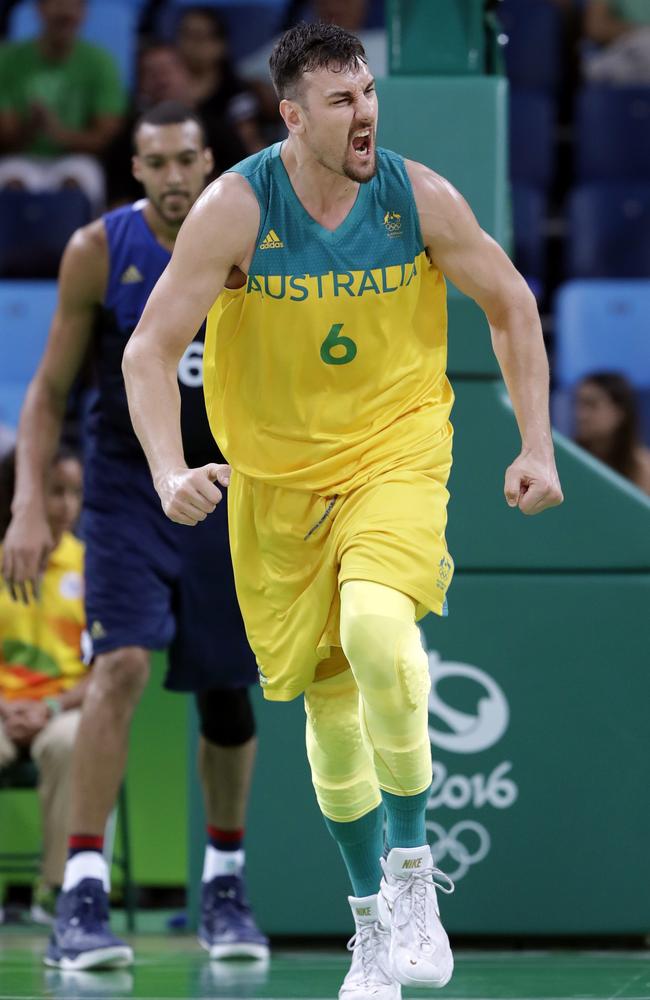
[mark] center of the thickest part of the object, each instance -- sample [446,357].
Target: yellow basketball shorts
[292,551]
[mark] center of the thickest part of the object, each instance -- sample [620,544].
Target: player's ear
[136,168]
[293,116]
[208,161]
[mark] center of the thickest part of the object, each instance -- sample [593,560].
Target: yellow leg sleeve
[382,643]
[342,770]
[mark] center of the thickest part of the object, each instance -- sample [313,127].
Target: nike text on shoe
[369,977]
[419,947]
[228,928]
[81,936]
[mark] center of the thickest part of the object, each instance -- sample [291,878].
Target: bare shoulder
[84,266]
[229,207]
[90,240]
[442,209]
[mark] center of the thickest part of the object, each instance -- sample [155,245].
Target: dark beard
[360,180]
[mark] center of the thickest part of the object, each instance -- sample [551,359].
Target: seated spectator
[349,14]
[607,426]
[162,76]
[42,674]
[622,30]
[215,90]
[61,103]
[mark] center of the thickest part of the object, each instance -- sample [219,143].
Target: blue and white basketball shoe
[81,937]
[228,928]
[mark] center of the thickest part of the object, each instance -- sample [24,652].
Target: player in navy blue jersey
[149,583]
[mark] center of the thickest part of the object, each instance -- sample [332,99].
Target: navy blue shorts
[158,585]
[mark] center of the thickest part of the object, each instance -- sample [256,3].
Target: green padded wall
[542,764]
[604,523]
[435,37]
[458,127]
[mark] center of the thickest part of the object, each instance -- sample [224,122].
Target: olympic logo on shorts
[467,843]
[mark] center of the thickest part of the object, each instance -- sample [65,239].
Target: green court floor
[174,967]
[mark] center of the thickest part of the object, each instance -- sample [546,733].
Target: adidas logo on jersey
[131,276]
[97,630]
[271,241]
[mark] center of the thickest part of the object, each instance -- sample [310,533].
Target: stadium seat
[534,53]
[26,309]
[613,133]
[250,24]
[111,24]
[528,214]
[34,229]
[532,126]
[608,231]
[602,326]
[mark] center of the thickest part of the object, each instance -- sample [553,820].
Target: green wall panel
[447,36]
[454,125]
[542,764]
[558,720]
[157,784]
[604,522]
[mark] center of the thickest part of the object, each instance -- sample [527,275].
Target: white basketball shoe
[419,947]
[369,977]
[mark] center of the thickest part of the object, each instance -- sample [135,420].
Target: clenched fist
[532,483]
[189,495]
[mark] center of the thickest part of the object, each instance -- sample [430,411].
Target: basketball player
[149,583]
[320,263]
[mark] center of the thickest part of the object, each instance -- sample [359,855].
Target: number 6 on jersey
[333,342]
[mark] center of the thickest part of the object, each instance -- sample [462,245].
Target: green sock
[405,819]
[361,843]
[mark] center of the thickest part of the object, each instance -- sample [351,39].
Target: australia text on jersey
[298,287]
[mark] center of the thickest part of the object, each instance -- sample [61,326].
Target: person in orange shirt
[42,673]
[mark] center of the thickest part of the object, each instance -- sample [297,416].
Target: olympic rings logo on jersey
[467,843]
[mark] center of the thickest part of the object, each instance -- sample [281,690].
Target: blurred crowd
[67,106]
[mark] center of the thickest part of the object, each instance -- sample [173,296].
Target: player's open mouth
[362,143]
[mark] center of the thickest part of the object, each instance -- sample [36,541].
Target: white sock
[85,864]
[222,863]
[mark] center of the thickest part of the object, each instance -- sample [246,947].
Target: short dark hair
[168,113]
[307,47]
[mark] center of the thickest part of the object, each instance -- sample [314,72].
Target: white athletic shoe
[419,947]
[369,977]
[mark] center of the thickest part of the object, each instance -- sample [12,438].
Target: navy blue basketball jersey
[136,261]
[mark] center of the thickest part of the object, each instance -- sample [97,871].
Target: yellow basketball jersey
[328,367]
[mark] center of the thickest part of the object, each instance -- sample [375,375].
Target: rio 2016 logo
[451,729]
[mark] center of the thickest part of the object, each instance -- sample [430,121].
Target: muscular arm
[479,268]
[81,286]
[217,235]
